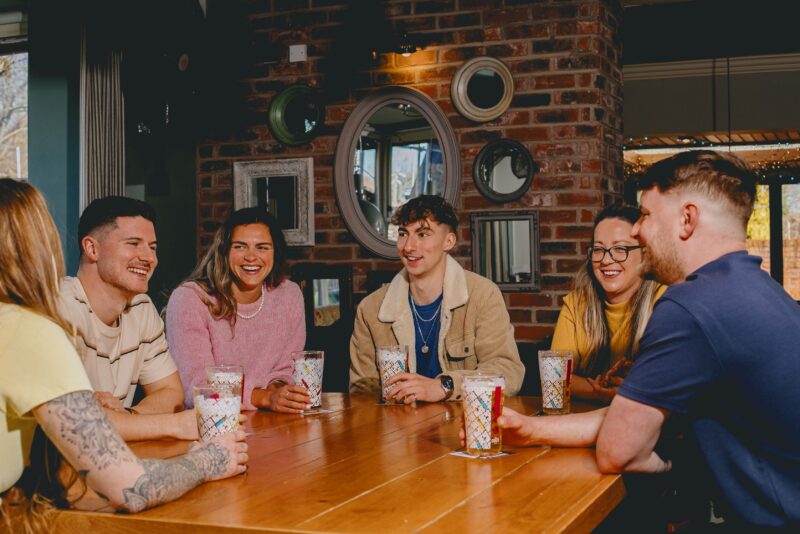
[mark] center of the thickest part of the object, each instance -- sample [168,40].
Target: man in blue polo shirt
[722,348]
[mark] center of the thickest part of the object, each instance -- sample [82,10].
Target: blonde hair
[31,267]
[590,297]
[32,263]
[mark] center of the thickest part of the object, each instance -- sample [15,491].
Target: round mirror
[503,170]
[296,115]
[482,89]
[396,145]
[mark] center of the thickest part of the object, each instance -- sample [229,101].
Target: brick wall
[564,56]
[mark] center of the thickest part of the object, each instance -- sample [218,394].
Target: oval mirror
[482,89]
[503,170]
[395,145]
[296,115]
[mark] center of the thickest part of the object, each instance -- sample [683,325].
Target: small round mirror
[296,115]
[482,89]
[503,170]
[485,89]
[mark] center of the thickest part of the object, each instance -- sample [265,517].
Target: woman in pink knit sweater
[239,308]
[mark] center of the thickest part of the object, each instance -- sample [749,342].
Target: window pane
[791,239]
[14,115]
[758,227]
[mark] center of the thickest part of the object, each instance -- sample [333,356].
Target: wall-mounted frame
[296,115]
[505,249]
[405,103]
[503,170]
[482,89]
[282,187]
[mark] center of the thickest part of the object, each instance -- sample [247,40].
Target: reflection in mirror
[505,249]
[326,301]
[397,157]
[302,114]
[503,170]
[296,115]
[278,196]
[485,88]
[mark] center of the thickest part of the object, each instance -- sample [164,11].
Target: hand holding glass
[392,360]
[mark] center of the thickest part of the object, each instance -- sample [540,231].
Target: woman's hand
[602,389]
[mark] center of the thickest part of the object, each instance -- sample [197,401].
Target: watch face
[447,383]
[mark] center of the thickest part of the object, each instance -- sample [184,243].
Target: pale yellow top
[37,364]
[569,333]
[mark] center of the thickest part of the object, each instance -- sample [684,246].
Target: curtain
[102,120]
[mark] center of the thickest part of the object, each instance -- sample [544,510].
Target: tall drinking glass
[483,404]
[555,370]
[217,408]
[227,374]
[392,360]
[308,367]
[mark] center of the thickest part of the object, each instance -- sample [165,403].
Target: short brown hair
[423,207]
[718,176]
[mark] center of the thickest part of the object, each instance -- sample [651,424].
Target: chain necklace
[261,305]
[425,349]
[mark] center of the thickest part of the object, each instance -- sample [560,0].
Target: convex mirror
[296,115]
[503,170]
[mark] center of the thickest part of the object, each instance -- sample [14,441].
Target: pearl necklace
[261,305]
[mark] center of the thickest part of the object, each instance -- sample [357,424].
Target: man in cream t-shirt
[120,335]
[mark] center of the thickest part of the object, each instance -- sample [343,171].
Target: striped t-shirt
[117,358]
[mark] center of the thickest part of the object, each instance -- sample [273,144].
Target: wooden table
[372,468]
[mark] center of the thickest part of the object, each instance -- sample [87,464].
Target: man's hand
[517,429]
[289,398]
[410,387]
[107,400]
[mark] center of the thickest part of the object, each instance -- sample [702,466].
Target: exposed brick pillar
[565,59]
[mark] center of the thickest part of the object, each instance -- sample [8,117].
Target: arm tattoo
[164,481]
[83,423]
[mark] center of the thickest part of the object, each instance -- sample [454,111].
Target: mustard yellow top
[569,334]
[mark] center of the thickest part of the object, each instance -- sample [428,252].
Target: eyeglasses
[618,253]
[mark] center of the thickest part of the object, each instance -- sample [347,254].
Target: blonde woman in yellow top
[604,318]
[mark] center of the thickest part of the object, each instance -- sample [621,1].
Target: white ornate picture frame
[283,187]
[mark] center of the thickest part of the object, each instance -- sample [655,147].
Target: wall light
[406,45]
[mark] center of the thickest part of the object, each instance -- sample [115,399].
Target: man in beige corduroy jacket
[433,295]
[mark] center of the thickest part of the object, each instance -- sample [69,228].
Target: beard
[662,262]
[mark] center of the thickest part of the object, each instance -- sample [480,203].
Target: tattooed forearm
[83,423]
[164,481]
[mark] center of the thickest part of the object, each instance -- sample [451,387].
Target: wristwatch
[447,385]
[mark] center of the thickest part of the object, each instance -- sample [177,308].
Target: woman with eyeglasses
[604,318]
